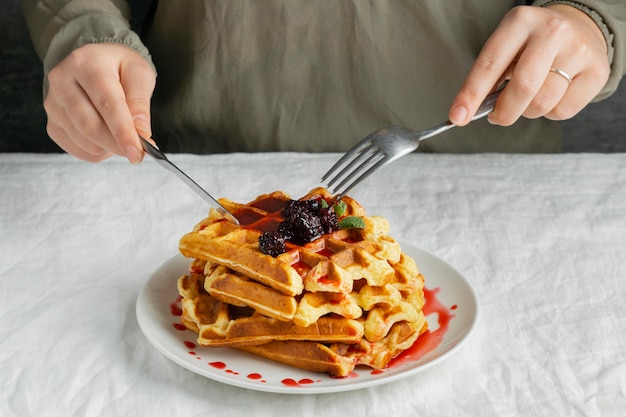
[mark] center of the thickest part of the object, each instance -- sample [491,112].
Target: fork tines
[354,167]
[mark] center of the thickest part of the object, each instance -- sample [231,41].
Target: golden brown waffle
[347,298]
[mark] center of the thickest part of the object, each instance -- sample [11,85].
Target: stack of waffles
[347,298]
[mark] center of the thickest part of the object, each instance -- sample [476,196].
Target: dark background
[601,127]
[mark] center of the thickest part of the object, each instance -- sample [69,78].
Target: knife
[162,160]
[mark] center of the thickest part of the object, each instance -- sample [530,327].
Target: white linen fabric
[541,238]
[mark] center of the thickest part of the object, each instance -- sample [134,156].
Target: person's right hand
[99,101]
[528,48]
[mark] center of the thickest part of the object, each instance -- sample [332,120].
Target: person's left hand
[525,48]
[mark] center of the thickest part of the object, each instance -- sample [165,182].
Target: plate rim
[141,311]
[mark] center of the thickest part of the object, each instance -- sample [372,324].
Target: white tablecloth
[541,239]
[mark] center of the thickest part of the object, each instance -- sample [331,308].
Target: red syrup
[218,365]
[326,252]
[293,383]
[301,268]
[247,217]
[179,326]
[327,280]
[270,205]
[250,219]
[429,340]
[175,309]
[222,366]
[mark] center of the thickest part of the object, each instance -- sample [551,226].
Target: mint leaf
[352,222]
[339,208]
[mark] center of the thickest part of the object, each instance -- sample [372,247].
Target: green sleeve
[57,27]
[610,16]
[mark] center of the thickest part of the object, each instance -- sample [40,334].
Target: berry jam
[303,221]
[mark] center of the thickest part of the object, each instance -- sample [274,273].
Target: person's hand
[99,101]
[527,46]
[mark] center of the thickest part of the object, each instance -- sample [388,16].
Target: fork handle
[488,104]
[486,107]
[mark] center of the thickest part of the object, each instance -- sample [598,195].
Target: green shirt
[305,75]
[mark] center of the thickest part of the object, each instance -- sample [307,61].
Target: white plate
[454,299]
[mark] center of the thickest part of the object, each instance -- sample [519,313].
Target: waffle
[349,297]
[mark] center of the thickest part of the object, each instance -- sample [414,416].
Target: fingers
[534,89]
[528,44]
[138,89]
[98,100]
[72,147]
[72,122]
[495,62]
[69,138]
[580,92]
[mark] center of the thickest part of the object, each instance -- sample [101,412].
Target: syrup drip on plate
[175,309]
[293,383]
[431,339]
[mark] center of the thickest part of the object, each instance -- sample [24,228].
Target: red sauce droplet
[254,376]
[192,353]
[293,383]
[377,371]
[289,382]
[454,307]
[218,365]
[175,309]
[179,326]
[190,345]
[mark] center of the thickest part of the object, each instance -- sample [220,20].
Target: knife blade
[162,160]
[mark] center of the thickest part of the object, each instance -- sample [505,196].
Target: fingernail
[491,121]
[133,155]
[142,125]
[458,115]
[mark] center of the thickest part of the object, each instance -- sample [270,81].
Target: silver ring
[562,74]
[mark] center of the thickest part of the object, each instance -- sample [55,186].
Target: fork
[384,146]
